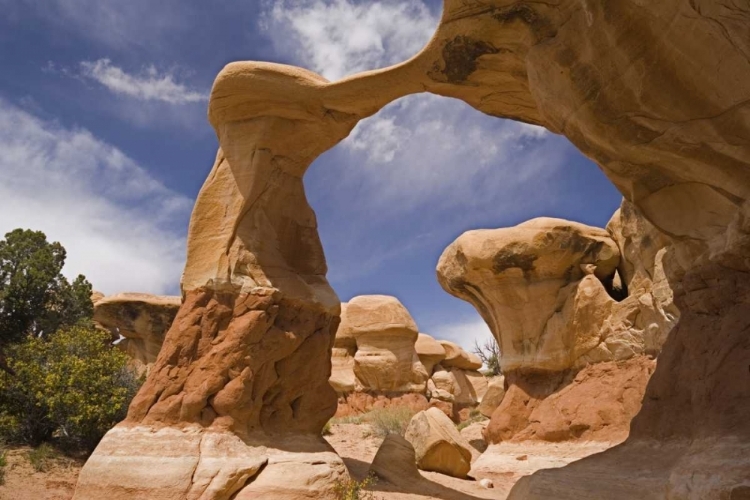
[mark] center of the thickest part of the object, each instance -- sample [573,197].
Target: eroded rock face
[142,319]
[654,92]
[531,283]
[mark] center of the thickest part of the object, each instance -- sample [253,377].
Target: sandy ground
[504,464]
[22,482]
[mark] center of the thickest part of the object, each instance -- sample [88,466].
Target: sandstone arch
[655,92]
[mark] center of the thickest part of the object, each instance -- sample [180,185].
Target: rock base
[648,470]
[194,463]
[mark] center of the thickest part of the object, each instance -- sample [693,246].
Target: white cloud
[121,228]
[340,37]
[148,85]
[425,150]
[464,333]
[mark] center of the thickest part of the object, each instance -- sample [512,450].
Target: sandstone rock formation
[493,397]
[375,363]
[654,92]
[385,334]
[142,319]
[438,445]
[396,461]
[430,352]
[530,284]
[456,357]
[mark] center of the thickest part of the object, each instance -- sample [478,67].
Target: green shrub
[390,420]
[73,385]
[351,489]
[41,456]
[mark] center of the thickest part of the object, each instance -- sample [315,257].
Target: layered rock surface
[654,92]
[143,321]
[438,445]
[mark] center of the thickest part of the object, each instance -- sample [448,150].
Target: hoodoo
[655,92]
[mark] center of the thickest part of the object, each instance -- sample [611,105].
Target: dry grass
[383,421]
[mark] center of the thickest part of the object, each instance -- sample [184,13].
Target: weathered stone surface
[385,334]
[456,357]
[463,387]
[530,284]
[595,404]
[641,322]
[430,352]
[142,319]
[654,92]
[396,461]
[493,397]
[438,445]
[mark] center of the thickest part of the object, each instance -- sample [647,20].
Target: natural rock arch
[655,92]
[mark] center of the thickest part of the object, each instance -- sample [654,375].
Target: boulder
[395,461]
[385,334]
[474,435]
[430,352]
[143,320]
[456,357]
[493,397]
[438,445]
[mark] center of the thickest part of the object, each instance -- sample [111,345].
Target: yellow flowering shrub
[72,386]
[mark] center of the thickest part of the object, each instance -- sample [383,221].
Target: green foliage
[350,489]
[40,457]
[489,353]
[74,386]
[35,298]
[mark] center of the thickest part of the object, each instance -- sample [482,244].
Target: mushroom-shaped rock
[430,351]
[536,285]
[493,397]
[456,357]
[141,318]
[438,445]
[385,334]
[395,461]
[465,387]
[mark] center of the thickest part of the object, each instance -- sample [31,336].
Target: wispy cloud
[148,85]
[340,37]
[122,228]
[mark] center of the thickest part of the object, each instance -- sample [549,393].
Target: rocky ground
[503,464]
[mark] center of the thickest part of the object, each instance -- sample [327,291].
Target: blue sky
[105,143]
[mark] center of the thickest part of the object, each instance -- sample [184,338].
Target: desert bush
[351,489]
[3,464]
[73,385]
[474,417]
[40,457]
[489,353]
[390,420]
